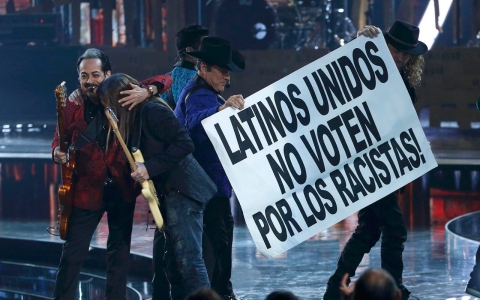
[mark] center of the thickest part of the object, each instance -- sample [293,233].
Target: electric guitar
[65,192]
[148,189]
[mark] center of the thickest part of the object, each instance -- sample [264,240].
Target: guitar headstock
[112,117]
[61,95]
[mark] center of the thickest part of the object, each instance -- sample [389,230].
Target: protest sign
[320,144]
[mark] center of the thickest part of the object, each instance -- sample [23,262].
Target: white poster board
[320,144]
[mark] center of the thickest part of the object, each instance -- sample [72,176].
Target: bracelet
[150,91]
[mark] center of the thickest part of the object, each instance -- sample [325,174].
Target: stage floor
[437,262]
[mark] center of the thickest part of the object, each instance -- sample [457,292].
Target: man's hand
[235,101]
[346,291]
[135,96]
[141,174]
[369,31]
[58,156]
[76,97]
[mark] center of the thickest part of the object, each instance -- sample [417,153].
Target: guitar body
[148,189]
[150,194]
[65,195]
[65,192]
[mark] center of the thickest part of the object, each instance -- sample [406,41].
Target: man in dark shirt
[384,216]
[182,185]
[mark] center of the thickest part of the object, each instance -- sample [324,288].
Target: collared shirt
[91,110]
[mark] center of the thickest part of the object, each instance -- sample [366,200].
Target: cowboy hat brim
[236,65]
[238,60]
[421,48]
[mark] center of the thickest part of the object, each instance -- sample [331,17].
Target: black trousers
[161,285]
[385,218]
[217,244]
[80,231]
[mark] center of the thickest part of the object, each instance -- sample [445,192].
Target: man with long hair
[187,39]
[384,216]
[182,185]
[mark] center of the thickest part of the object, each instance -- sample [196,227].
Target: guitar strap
[90,133]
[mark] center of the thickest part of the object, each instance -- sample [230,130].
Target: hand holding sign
[235,101]
[369,31]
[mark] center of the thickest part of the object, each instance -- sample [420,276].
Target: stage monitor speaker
[32,28]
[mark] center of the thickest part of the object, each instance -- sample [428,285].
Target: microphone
[227,85]
[91,89]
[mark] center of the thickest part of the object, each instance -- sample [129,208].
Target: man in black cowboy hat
[406,49]
[384,216]
[199,99]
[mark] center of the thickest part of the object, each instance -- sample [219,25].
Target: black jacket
[410,88]
[166,147]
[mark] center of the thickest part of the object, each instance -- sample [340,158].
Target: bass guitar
[148,189]
[65,192]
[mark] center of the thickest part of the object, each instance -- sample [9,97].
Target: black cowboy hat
[404,37]
[217,51]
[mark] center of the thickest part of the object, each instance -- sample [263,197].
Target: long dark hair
[109,93]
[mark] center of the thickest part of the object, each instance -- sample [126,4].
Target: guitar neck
[61,95]
[125,149]
[114,126]
[62,132]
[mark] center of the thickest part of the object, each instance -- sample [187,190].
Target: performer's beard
[89,90]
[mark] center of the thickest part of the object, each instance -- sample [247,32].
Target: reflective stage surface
[437,262]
